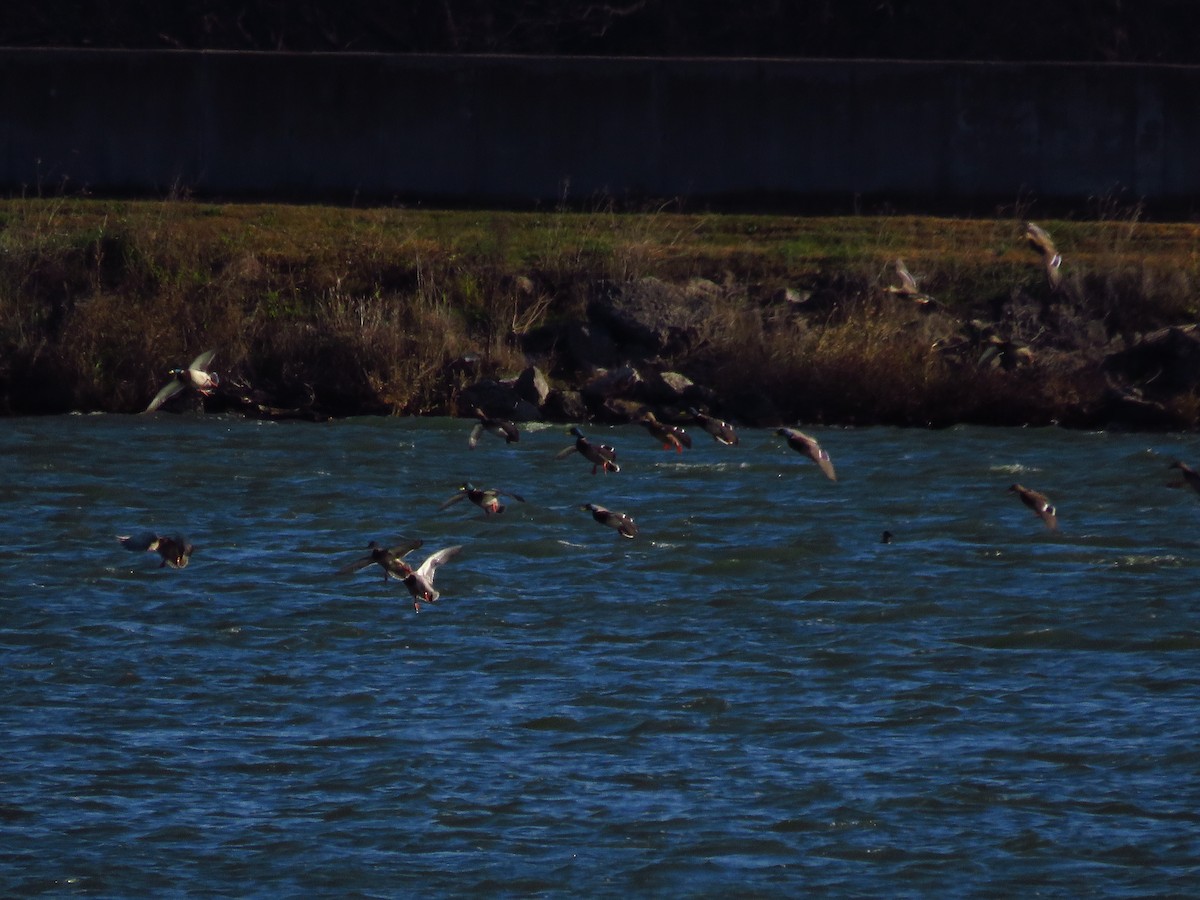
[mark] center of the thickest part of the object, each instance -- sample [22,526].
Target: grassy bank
[366,309]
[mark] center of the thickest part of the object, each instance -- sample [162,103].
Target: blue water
[754,697]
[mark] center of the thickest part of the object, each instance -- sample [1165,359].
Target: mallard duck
[419,581]
[502,428]
[618,520]
[601,456]
[722,432]
[671,436]
[487,499]
[390,559]
[1038,503]
[195,376]
[174,550]
[908,286]
[1040,241]
[802,443]
[1190,476]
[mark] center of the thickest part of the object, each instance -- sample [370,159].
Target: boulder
[564,406]
[607,384]
[664,388]
[590,347]
[496,398]
[650,316]
[532,386]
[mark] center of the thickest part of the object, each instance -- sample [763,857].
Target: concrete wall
[516,129]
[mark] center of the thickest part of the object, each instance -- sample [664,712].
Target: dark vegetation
[329,311]
[320,311]
[1075,30]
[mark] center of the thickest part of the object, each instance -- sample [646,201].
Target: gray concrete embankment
[518,130]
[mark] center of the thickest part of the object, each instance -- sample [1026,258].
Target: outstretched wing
[516,497]
[908,284]
[430,566]
[509,430]
[1040,240]
[459,496]
[475,433]
[202,361]
[565,452]
[360,563]
[140,542]
[821,458]
[169,390]
[402,546]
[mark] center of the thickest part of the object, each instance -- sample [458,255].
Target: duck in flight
[601,456]
[389,558]
[1038,503]
[908,286]
[672,437]
[1040,241]
[487,499]
[175,551]
[722,432]
[196,377]
[803,443]
[501,428]
[624,523]
[419,581]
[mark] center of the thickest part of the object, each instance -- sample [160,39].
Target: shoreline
[560,316]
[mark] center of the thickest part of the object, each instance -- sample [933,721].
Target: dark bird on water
[389,558]
[621,521]
[174,550]
[501,428]
[487,499]
[196,377]
[722,432]
[802,443]
[601,456]
[1038,503]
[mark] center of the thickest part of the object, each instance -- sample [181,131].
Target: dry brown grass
[365,308]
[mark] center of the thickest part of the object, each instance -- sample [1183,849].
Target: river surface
[754,697]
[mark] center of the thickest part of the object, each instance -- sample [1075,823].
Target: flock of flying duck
[176,551]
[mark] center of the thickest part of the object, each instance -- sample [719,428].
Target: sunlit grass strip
[367,305]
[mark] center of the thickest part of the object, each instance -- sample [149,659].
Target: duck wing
[402,546]
[802,443]
[908,284]
[430,566]
[506,430]
[1040,240]
[360,563]
[565,452]
[168,390]
[476,431]
[821,458]
[201,362]
[139,543]
[461,495]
